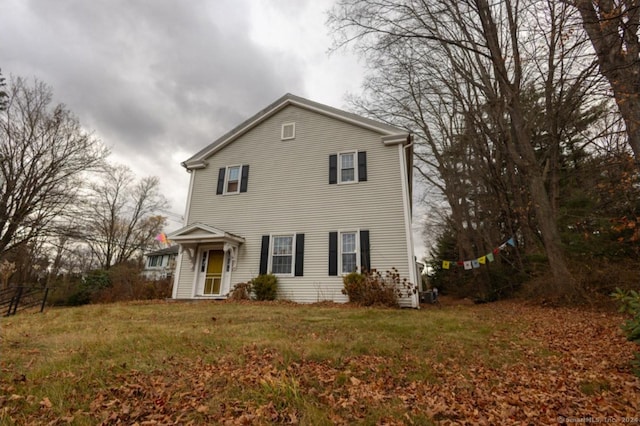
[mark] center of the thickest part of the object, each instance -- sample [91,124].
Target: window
[155,261]
[347,167]
[233,179]
[288,131]
[348,252]
[281,254]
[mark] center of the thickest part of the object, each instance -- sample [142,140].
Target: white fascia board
[402,139]
[218,146]
[342,117]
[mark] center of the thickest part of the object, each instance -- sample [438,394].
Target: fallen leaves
[543,363]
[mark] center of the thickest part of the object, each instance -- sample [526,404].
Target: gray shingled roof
[168,250]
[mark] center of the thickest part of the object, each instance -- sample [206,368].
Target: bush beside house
[371,288]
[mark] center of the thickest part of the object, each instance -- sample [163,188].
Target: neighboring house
[160,264]
[301,190]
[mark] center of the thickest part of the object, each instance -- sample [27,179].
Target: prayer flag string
[482,260]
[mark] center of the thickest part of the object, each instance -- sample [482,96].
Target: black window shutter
[299,269]
[362,166]
[220,188]
[333,253]
[244,178]
[365,256]
[264,255]
[333,168]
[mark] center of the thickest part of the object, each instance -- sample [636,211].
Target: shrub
[630,304]
[121,282]
[355,286]
[241,291]
[372,288]
[265,287]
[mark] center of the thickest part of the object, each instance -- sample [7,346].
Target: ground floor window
[282,254]
[349,252]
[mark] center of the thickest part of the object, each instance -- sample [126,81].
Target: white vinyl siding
[289,191]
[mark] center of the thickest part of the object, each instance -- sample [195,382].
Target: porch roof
[198,233]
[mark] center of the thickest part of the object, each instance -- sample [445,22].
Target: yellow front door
[213,276]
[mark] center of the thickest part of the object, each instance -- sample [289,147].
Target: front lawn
[264,363]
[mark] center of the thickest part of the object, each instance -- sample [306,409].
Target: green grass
[300,361]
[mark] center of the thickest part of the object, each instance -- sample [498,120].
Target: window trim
[226,179]
[355,167]
[153,261]
[272,238]
[284,125]
[357,252]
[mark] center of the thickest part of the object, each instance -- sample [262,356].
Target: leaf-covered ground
[566,366]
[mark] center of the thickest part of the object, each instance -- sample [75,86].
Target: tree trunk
[612,27]
[521,148]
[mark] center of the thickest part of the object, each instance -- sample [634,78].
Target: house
[160,264]
[301,190]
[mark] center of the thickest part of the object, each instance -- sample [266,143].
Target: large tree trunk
[612,27]
[521,147]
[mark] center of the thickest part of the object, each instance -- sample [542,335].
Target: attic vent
[288,131]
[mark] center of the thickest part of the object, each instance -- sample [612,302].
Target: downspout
[407,201]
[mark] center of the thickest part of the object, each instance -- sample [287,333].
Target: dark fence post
[15,301]
[44,299]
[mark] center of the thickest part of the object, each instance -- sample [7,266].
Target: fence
[16,299]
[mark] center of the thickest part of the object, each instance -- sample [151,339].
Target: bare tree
[613,28]
[43,154]
[121,215]
[3,93]
[457,71]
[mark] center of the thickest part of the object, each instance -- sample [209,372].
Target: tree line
[64,209]
[526,116]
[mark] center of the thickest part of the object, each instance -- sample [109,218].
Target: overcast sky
[157,80]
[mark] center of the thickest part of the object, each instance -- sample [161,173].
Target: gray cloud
[149,77]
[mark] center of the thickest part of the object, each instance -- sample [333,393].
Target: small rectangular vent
[288,131]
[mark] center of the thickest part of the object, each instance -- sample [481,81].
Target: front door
[212,263]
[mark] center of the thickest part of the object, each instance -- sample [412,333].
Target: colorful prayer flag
[445,264]
[490,257]
[475,263]
[162,238]
[482,260]
[511,242]
[467,264]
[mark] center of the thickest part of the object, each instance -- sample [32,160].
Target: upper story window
[232,185]
[348,167]
[233,179]
[288,131]
[347,171]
